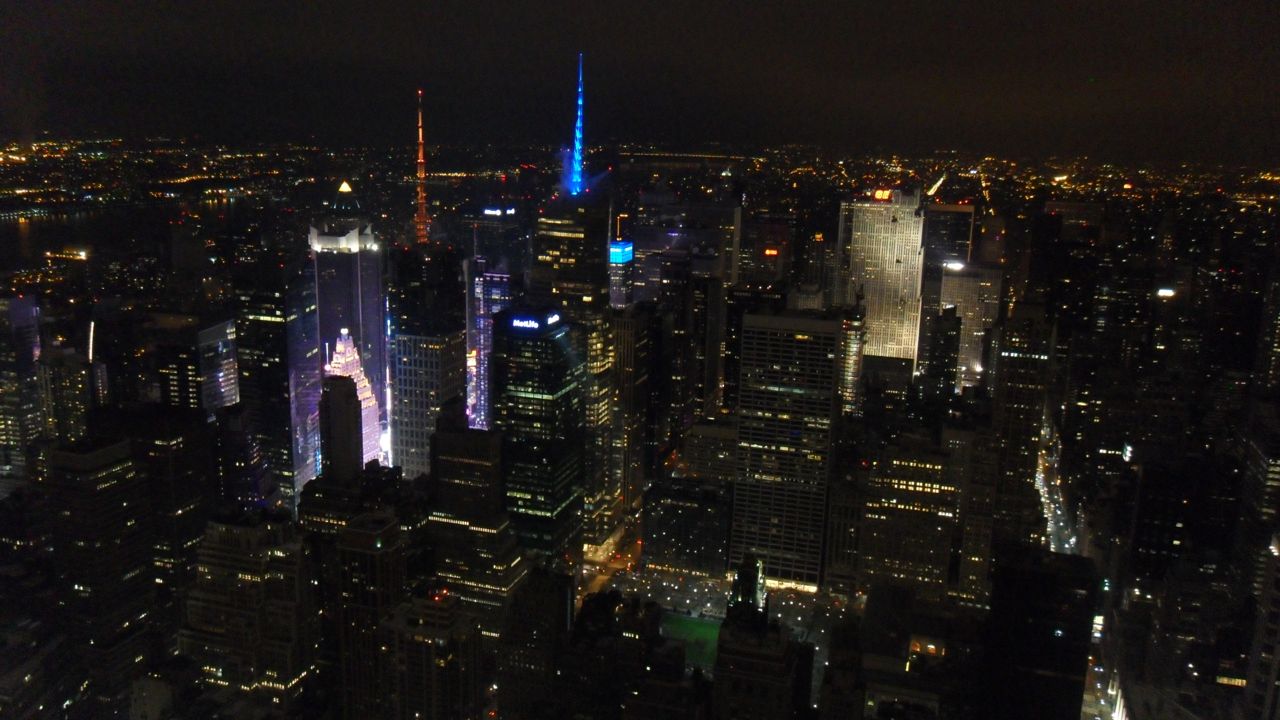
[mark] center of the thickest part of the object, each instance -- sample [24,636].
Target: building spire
[421,220]
[576,162]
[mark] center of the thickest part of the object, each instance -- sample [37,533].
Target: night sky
[1125,79]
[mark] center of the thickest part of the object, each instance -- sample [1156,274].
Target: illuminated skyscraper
[351,289]
[632,404]
[911,514]
[490,292]
[346,363]
[251,622]
[66,393]
[1022,351]
[478,556]
[244,473]
[428,369]
[975,292]
[102,544]
[854,337]
[219,376]
[20,408]
[570,272]
[537,400]
[788,402]
[278,358]
[947,239]
[622,257]
[194,367]
[879,253]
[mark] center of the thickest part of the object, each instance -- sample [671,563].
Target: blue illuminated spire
[575,183]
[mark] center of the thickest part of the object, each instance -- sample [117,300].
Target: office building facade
[787,407]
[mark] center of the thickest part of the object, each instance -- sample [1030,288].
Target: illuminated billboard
[621,252]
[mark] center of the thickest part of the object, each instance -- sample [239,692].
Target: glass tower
[537,401]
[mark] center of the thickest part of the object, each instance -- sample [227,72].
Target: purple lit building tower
[351,289]
[490,292]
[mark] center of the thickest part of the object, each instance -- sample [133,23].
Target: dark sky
[1128,79]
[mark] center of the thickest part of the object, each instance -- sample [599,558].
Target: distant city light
[1166,292]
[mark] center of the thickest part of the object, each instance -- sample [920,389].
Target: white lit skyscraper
[346,362]
[880,255]
[351,287]
[428,369]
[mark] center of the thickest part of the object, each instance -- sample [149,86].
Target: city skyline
[586,427]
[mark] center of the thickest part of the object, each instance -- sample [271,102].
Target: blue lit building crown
[575,182]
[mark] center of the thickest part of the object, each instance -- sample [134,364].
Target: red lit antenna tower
[421,220]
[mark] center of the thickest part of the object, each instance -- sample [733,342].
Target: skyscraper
[490,292]
[351,289]
[195,366]
[938,369]
[754,651]
[478,556]
[245,477]
[171,451]
[537,400]
[1263,700]
[20,408]
[632,405]
[345,362]
[622,257]
[880,256]
[251,621]
[788,403]
[66,394]
[570,272]
[428,369]
[911,515]
[1022,353]
[371,556]
[974,290]
[342,414]
[280,366]
[102,546]
[947,239]
[431,668]
[219,375]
